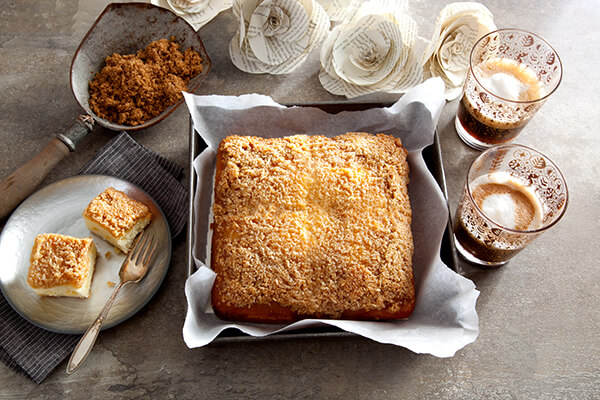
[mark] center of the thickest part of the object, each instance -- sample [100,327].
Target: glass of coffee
[512,195]
[511,74]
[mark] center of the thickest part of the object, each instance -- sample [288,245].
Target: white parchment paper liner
[445,319]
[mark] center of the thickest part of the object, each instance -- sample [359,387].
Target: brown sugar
[134,88]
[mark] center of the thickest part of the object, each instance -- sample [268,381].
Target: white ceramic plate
[57,208]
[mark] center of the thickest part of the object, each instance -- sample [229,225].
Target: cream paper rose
[458,27]
[373,52]
[339,10]
[276,36]
[196,12]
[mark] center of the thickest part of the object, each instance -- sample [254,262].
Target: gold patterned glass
[511,74]
[512,195]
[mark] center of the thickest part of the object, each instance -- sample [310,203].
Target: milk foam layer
[509,79]
[507,202]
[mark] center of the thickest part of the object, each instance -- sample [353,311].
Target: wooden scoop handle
[24,180]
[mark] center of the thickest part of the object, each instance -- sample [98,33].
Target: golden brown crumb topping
[116,211]
[317,225]
[59,260]
[134,88]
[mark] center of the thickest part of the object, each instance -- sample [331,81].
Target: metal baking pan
[433,159]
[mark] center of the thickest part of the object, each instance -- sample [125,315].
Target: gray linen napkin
[35,351]
[125,158]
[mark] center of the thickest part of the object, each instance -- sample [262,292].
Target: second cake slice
[116,218]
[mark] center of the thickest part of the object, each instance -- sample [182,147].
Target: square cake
[61,265]
[312,227]
[116,218]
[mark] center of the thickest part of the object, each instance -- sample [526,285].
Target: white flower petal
[321,23]
[236,8]
[371,54]
[451,78]
[455,48]
[335,85]
[453,12]
[339,10]
[239,57]
[298,27]
[196,12]
[258,18]
[326,53]
[247,7]
[286,67]
[371,50]
[457,10]
[272,51]
[403,77]
[277,23]
[452,93]
[275,36]
[187,6]
[458,27]
[385,8]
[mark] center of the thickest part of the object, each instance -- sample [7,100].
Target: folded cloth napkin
[125,158]
[35,351]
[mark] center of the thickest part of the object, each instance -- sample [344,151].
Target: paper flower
[458,27]
[339,10]
[276,36]
[196,12]
[372,52]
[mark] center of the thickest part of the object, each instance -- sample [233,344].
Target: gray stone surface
[539,315]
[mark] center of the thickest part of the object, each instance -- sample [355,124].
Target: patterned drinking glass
[511,74]
[535,182]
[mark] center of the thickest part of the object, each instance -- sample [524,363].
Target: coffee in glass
[511,74]
[512,195]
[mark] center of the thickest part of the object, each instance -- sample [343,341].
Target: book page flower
[372,52]
[458,27]
[276,36]
[196,12]
[339,10]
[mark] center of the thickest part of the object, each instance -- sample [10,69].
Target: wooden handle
[23,181]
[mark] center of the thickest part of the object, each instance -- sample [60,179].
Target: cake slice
[116,218]
[61,265]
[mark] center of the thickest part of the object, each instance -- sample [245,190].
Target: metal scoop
[122,28]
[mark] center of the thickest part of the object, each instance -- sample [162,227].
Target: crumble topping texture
[59,260]
[115,211]
[317,225]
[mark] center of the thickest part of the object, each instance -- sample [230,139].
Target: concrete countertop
[539,315]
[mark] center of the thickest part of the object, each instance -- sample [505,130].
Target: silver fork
[134,268]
